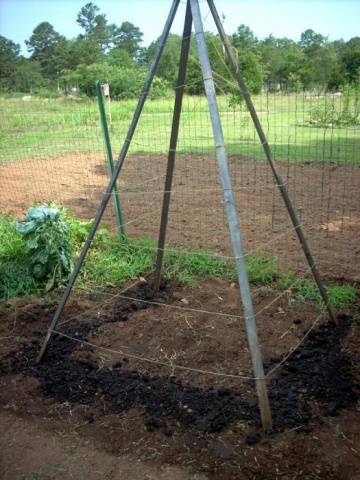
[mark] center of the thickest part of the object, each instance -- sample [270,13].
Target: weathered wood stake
[184,54]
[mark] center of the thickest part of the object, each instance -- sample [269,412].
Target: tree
[169,61]
[350,60]
[244,39]
[251,68]
[9,56]
[29,76]
[95,25]
[124,83]
[42,44]
[322,66]
[86,50]
[120,58]
[283,63]
[129,38]
[88,18]
[249,57]
[311,41]
[272,60]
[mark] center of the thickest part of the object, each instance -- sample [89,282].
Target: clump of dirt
[123,309]
[321,370]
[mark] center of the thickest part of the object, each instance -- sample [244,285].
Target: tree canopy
[115,53]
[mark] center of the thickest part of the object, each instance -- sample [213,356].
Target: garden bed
[162,410]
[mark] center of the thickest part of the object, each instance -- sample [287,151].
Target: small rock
[152,424]
[332,409]
[184,301]
[223,450]
[252,438]
[191,441]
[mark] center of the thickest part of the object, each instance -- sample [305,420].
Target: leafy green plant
[47,245]
[350,114]
[329,112]
[15,276]
[324,113]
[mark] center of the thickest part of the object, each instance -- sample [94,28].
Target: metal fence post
[109,158]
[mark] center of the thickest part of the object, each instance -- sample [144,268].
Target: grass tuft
[262,269]
[189,265]
[113,261]
[304,290]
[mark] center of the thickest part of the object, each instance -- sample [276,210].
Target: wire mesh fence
[53,151]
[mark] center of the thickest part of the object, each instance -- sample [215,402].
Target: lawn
[52,127]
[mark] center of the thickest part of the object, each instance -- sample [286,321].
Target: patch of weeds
[114,260]
[262,269]
[304,290]
[15,277]
[342,295]
[186,266]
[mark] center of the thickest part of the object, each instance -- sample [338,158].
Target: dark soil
[124,406]
[320,370]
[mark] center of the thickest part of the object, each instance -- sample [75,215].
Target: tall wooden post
[180,86]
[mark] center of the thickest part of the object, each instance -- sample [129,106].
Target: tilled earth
[325,195]
[205,422]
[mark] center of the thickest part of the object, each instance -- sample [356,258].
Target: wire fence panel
[52,151]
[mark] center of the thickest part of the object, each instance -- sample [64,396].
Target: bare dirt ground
[89,412]
[326,197]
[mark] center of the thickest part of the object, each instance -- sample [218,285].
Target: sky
[283,18]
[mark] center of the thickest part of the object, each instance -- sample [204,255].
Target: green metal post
[109,158]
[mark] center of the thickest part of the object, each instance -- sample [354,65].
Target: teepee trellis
[193,16]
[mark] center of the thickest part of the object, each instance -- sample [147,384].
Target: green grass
[46,128]
[114,261]
[262,269]
[304,290]
[15,277]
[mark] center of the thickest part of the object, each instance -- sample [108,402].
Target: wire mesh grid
[53,151]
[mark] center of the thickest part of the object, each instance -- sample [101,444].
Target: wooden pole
[266,147]
[180,86]
[233,221]
[106,197]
